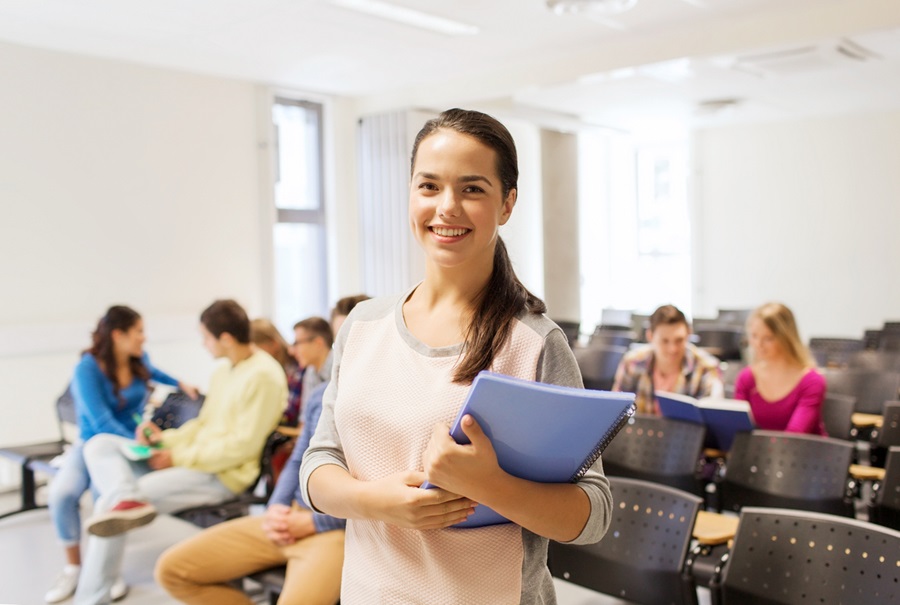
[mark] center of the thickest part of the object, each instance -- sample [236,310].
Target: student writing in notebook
[781,383]
[668,363]
[402,368]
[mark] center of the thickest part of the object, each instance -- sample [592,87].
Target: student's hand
[275,524]
[462,469]
[397,499]
[189,390]
[160,459]
[148,433]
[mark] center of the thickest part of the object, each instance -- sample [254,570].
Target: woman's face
[456,202]
[763,343]
[130,341]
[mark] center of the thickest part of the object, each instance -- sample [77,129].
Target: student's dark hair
[504,297]
[668,315]
[346,304]
[227,316]
[317,326]
[122,318]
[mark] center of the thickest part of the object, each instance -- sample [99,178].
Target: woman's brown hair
[122,318]
[504,297]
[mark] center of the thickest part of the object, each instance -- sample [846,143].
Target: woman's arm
[807,415]
[396,499]
[92,392]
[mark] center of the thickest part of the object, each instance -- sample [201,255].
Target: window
[301,286]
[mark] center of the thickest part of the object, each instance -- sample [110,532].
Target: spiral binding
[610,434]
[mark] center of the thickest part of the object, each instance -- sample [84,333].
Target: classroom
[711,154]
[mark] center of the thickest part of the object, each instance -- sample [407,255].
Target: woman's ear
[508,204]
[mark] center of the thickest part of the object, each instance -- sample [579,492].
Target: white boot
[65,584]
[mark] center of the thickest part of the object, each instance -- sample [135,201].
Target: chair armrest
[866,473]
[866,420]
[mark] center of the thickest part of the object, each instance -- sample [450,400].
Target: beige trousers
[196,571]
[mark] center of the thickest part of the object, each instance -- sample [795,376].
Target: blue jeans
[65,493]
[117,478]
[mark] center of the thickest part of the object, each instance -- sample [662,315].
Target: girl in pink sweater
[782,385]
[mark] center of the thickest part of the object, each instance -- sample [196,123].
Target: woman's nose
[449,204]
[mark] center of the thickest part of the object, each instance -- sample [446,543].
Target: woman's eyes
[469,189]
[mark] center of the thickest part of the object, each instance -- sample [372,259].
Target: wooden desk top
[858,471]
[866,420]
[714,528]
[289,431]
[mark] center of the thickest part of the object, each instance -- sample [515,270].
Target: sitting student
[266,336]
[669,363]
[312,349]
[109,388]
[199,569]
[781,383]
[311,544]
[206,460]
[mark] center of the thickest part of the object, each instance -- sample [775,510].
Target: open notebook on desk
[540,432]
[722,417]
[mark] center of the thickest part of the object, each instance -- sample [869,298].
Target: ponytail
[502,300]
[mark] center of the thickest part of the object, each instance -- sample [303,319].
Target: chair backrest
[871,388]
[66,415]
[773,468]
[881,361]
[723,341]
[791,557]
[835,352]
[656,449]
[889,491]
[616,338]
[837,411]
[642,555]
[734,317]
[872,338]
[176,409]
[570,329]
[598,365]
[889,433]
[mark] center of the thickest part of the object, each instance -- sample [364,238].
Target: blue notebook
[540,432]
[722,417]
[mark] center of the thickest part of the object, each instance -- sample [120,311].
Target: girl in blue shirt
[109,387]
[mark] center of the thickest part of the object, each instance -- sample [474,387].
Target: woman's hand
[397,499]
[148,433]
[189,390]
[464,469]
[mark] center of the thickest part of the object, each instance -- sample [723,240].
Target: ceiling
[656,64]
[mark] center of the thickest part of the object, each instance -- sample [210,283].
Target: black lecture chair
[837,411]
[598,364]
[786,470]
[871,388]
[659,450]
[887,435]
[734,317]
[790,557]
[642,555]
[725,342]
[876,361]
[884,506]
[39,456]
[570,329]
[617,338]
[835,352]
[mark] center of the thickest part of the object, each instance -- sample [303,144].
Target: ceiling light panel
[408,16]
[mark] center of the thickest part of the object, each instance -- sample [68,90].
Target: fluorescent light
[408,16]
[604,7]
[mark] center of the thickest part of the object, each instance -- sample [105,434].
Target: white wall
[118,184]
[804,212]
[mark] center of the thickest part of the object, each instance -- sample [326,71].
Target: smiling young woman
[402,368]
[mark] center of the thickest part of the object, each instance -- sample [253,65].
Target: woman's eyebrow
[471,178]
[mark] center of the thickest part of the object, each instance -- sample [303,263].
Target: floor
[30,559]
